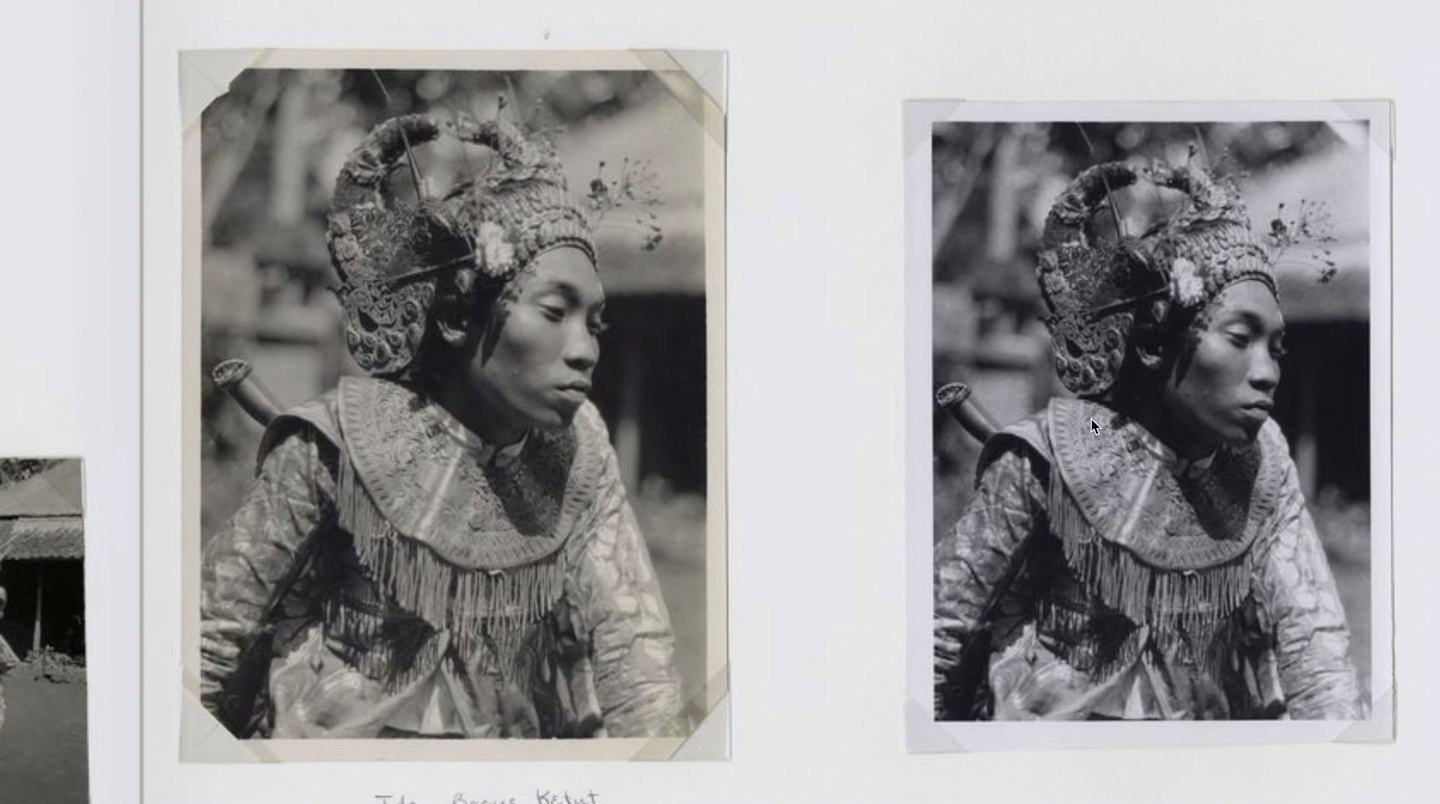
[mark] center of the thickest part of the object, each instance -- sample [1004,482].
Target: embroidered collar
[435,482]
[482,451]
[1182,467]
[1135,493]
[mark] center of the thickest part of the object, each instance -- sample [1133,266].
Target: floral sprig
[633,196]
[1312,228]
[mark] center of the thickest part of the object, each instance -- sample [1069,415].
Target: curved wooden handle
[958,399]
[235,377]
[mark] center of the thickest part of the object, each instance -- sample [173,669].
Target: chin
[552,420]
[1242,435]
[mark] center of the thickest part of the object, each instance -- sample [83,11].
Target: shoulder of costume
[1272,441]
[1031,432]
[589,428]
[321,414]
[1275,454]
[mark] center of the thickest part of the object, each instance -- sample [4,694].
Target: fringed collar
[1165,542]
[480,450]
[476,507]
[1137,494]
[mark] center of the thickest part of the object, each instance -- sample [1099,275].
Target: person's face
[533,367]
[1224,392]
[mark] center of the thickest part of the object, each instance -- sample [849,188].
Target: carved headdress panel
[390,252]
[1094,288]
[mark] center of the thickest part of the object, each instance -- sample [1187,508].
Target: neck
[1172,433]
[482,415]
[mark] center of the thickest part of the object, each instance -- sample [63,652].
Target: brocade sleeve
[620,608]
[974,563]
[244,564]
[1299,605]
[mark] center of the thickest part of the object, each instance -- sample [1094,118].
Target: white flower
[1187,287]
[495,249]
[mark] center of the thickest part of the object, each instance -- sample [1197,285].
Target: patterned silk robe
[389,574]
[1094,575]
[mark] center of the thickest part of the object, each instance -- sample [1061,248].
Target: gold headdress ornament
[390,253]
[1093,289]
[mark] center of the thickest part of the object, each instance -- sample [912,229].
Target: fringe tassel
[1185,609]
[489,613]
[1090,641]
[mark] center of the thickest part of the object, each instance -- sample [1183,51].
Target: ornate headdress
[1093,289]
[390,254]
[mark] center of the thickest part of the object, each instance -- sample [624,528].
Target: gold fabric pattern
[431,489]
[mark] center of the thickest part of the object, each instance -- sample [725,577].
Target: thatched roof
[40,517]
[42,537]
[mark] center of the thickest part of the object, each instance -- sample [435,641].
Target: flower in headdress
[496,251]
[1187,286]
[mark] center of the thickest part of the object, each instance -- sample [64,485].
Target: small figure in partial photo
[1141,547]
[444,547]
[8,660]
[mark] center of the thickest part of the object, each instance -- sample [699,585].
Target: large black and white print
[455,470]
[43,750]
[1151,443]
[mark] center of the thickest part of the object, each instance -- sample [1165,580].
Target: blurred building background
[271,150]
[993,185]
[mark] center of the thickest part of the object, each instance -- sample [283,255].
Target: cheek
[1213,373]
[527,346]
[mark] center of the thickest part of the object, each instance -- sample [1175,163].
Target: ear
[453,329]
[1149,356]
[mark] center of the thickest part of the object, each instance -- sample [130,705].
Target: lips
[1257,412]
[573,393]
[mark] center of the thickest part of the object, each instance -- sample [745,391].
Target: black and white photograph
[43,749]
[1150,419]
[459,476]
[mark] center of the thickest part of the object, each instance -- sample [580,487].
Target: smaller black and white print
[1033,618]
[43,756]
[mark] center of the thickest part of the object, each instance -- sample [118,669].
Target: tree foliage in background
[992,184]
[303,121]
[15,470]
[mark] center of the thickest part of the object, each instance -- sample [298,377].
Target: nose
[582,349]
[1264,372]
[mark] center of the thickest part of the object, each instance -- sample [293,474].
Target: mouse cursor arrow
[1094,427]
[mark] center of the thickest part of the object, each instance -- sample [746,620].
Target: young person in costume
[443,548]
[1143,551]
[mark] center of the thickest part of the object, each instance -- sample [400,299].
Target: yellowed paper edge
[202,738]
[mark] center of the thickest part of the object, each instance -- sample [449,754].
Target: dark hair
[463,298]
[1163,329]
